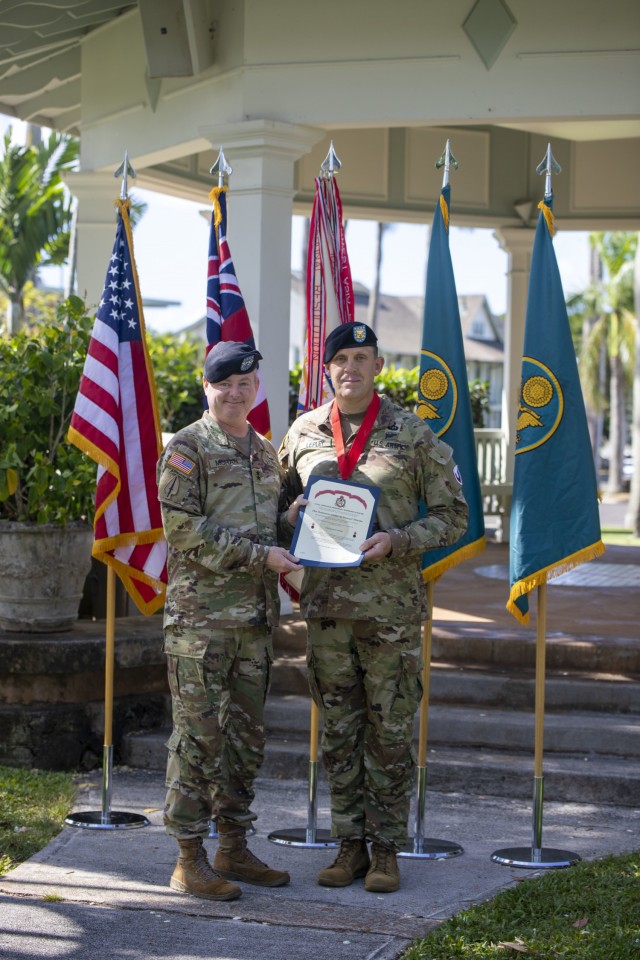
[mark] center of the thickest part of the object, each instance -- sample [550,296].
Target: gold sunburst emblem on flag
[537,391]
[437,393]
[433,384]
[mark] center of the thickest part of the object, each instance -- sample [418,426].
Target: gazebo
[273,82]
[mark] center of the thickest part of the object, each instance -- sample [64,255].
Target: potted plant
[46,484]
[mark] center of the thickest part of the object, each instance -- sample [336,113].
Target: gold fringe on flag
[444,210]
[214,196]
[521,587]
[548,216]
[435,571]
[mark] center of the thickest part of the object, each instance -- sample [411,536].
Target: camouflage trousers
[365,677]
[217,744]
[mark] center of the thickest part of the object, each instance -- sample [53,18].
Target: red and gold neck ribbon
[347,461]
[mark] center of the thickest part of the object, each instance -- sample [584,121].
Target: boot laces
[383,858]
[201,865]
[348,848]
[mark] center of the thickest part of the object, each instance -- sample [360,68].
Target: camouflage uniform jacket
[220,515]
[404,458]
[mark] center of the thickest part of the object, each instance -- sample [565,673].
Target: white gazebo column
[517,242]
[262,154]
[96,216]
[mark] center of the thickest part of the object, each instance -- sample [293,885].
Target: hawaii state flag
[555,523]
[443,390]
[227,317]
[330,298]
[115,421]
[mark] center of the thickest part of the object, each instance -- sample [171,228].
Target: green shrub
[177,369]
[43,478]
[401,386]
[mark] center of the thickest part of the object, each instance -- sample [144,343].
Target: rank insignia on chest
[181,463]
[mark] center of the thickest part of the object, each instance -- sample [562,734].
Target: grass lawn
[33,805]
[619,537]
[587,912]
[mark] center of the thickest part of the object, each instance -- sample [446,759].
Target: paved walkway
[103,894]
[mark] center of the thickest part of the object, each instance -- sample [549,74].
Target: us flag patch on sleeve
[181,463]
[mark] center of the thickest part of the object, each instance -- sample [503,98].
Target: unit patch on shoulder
[181,463]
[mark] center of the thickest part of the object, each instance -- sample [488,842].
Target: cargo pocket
[268,665]
[408,685]
[314,689]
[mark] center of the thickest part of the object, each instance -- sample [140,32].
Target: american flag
[227,317]
[115,421]
[330,298]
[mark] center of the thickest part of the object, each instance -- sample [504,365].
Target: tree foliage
[35,214]
[43,478]
[606,313]
[401,386]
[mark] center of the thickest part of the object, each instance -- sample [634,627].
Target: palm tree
[35,214]
[632,519]
[612,331]
[374,293]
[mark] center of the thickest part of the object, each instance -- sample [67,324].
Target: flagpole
[221,168]
[312,837]
[418,847]
[106,819]
[536,855]
[446,160]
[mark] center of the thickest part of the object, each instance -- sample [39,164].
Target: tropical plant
[35,214]
[43,478]
[177,370]
[611,333]
[40,306]
[401,386]
[633,516]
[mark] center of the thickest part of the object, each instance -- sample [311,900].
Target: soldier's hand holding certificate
[336,520]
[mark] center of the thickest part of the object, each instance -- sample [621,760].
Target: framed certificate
[337,519]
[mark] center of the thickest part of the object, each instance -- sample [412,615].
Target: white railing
[496,490]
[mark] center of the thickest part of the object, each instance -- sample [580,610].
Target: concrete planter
[43,568]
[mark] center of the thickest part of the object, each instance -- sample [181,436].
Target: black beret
[229,357]
[348,335]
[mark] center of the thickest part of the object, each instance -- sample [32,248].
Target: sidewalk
[104,894]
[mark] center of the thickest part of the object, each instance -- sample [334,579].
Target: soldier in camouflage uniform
[220,486]
[364,623]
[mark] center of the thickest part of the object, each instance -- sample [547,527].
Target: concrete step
[492,728]
[472,683]
[490,646]
[487,644]
[586,757]
[568,777]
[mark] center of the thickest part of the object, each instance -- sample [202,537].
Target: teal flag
[443,390]
[555,524]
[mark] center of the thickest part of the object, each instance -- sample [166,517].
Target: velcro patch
[181,463]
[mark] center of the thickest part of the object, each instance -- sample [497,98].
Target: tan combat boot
[235,861]
[352,862]
[193,874]
[383,875]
